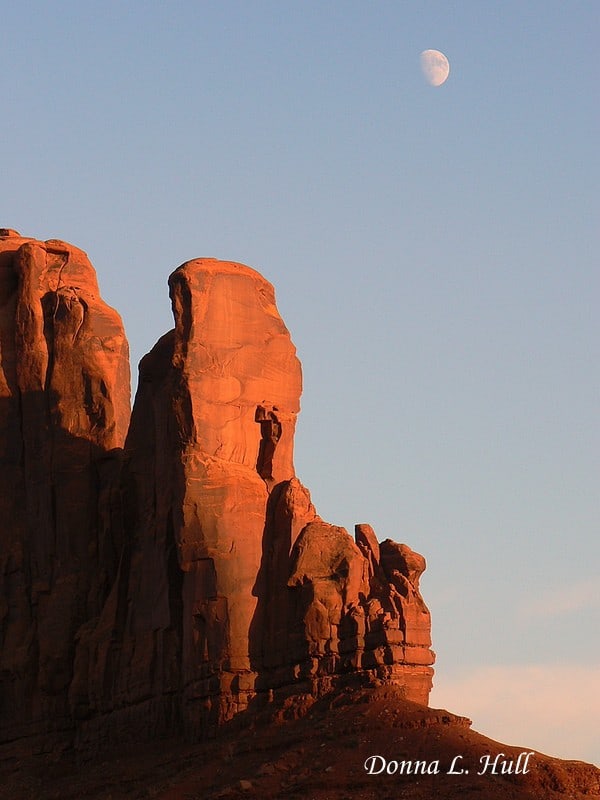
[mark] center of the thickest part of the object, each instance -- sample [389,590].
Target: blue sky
[434,253]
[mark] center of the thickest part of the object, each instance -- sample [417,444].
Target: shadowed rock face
[170,585]
[64,408]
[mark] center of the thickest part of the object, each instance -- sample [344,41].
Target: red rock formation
[173,591]
[168,586]
[64,405]
[216,598]
[211,434]
[359,614]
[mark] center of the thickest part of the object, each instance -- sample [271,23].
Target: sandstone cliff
[64,407]
[164,572]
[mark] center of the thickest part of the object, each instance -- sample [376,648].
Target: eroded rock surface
[64,412]
[170,584]
[211,435]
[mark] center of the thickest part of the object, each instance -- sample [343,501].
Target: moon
[435,66]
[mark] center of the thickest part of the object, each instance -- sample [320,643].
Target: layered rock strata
[170,584]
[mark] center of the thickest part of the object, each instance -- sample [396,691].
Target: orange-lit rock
[161,574]
[211,435]
[166,586]
[64,406]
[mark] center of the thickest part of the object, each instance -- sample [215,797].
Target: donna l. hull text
[496,764]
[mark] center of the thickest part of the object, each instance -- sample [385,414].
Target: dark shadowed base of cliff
[316,751]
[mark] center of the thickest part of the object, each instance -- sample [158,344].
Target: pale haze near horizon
[434,253]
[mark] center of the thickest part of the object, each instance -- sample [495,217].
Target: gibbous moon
[435,67]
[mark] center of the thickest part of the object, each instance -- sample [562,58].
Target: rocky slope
[319,755]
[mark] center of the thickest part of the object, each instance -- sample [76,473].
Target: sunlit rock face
[170,577]
[233,587]
[239,383]
[64,408]
[212,433]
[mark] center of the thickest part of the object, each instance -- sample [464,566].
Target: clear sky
[435,257]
